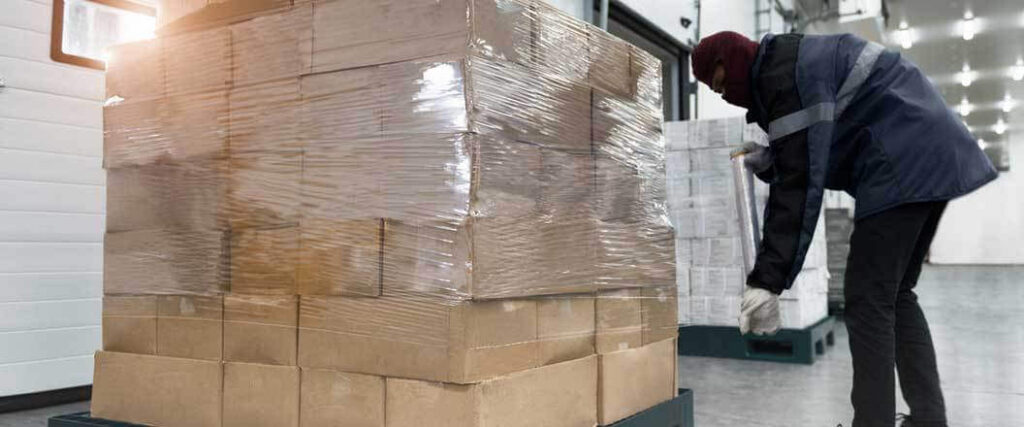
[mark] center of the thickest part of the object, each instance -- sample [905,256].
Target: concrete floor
[976,315]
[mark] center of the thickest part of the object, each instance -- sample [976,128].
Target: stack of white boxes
[702,205]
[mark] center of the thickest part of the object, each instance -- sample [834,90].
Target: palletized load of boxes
[369,213]
[709,258]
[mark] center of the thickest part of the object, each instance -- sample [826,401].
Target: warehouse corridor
[974,312]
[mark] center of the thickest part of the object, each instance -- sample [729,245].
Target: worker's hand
[759,312]
[757,157]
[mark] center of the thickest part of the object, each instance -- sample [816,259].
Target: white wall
[666,15]
[572,7]
[51,208]
[987,226]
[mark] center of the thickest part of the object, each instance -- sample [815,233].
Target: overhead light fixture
[969,26]
[904,36]
[1017,72]
[1000,127]
[965,107]
[966,76]
[1008,103]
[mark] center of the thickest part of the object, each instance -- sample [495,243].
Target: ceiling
[940,50]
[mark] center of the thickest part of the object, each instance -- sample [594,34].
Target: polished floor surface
[977,320]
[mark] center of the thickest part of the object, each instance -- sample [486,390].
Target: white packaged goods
[701,205]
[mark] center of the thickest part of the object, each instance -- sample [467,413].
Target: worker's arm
[781,252]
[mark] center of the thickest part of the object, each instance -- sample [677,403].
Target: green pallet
[787,346]
[677,412]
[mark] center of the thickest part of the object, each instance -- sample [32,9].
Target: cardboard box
[619,320]
[196,125]
[562,394]
[342,180]
[645,69]
[135,71]
[261,329]
[164,262]
[344,105]
[261,395]
[511,257]
[273,46]
[349,34]
[129,324]
[610,64]
[184,195]
[134,132]
[658,313]
[554,112]
[179,16]
[631,381]
[190,326]
[416,336]
[266,116]
[332,398]
[565,327]
[635,253]
[265,260]
[198,61]
[155,390]
[340,257]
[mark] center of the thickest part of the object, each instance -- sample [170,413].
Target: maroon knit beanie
[736,53]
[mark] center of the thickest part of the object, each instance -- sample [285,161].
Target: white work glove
[759,312]
[757,157]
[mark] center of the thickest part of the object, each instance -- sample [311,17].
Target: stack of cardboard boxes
[369,213]
[702,205]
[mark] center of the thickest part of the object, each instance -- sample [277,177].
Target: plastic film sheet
[450,151]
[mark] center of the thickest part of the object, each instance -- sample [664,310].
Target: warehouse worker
[846,114]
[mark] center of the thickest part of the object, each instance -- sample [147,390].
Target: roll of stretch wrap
[746,209]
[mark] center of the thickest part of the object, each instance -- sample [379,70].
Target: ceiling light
[1008,103]
[967,76]
[965,107]
[1017,72]
[1000,127]
[904,36]
[969,26]
[982,144]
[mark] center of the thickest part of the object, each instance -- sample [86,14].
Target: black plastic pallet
[677,412]
[82,419]
[787,346]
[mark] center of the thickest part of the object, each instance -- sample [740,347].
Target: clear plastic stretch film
[450,149]
[746,211]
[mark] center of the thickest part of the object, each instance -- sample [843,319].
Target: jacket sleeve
[782,248]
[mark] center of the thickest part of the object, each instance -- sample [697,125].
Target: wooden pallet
[787,346]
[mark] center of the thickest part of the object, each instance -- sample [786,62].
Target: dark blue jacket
[846,114]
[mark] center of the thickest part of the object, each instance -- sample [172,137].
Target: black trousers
[888,331]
